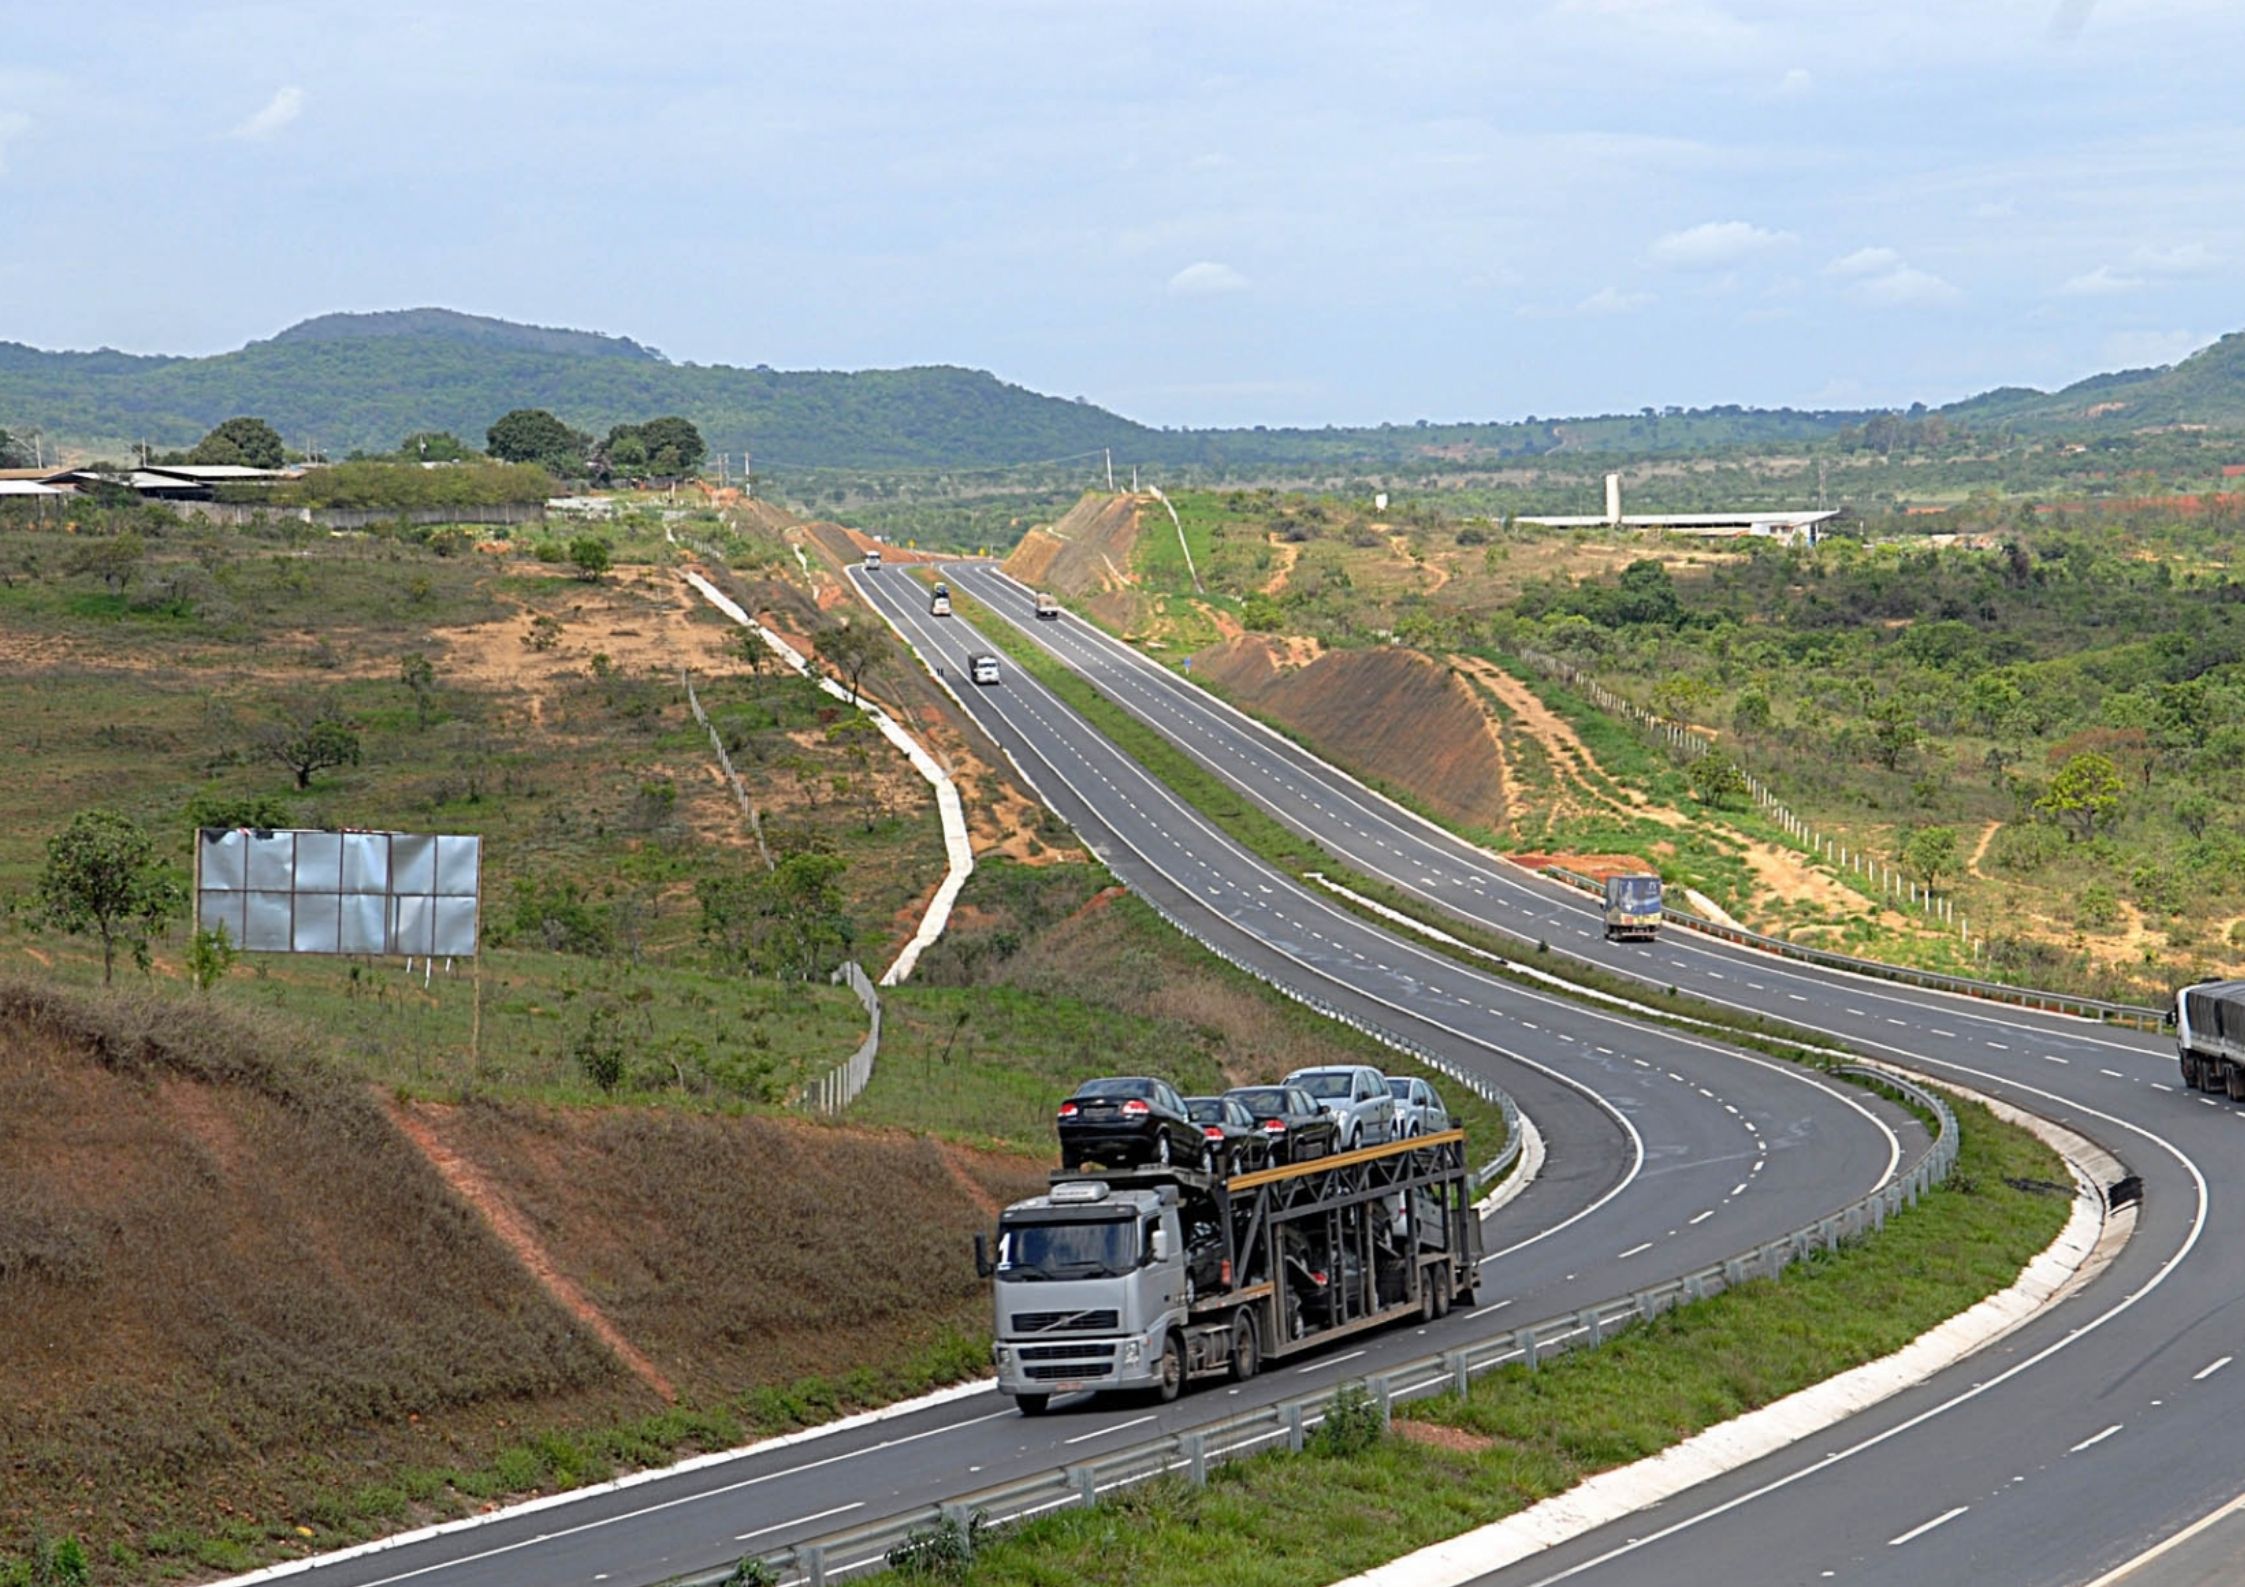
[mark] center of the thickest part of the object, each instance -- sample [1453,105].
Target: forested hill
[365,381]
[2206,388]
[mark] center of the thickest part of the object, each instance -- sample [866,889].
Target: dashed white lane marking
[1102,1432]
[1920,1531]
[1739,1189]
[2094,1438]
[801,1520]
[1320,1366]
[2206,1372]
[2053,1058]
[2113,1074]
[1484,1311]
[1703,1217]
[1634,1251]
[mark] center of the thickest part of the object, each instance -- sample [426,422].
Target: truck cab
[939,601]
[872,559]
[1047,607]
[982,667]
[1633,906]
[1089,1279]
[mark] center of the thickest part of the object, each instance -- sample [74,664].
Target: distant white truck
[982,667]
[1047,607]
[939,603]
[872,559]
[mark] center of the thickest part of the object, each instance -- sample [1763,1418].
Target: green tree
[2084,795]
[1894,732]
[13,452]
[260,811]
[113,559]
[850,648]
[1752,712]
[210,954]
[2195,812]
[310,739]
[245,441]
[790,922]
[1930,853]
[419,675]
[532,435]
[434,446]
[674,445]
[1718,781]
[102,875]
[590,556]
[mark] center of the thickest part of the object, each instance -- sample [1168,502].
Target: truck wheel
[1441,1292]
[1172,1381]
[2236,1078]
[1032,1404]
[1247,1347]
[2190,1072]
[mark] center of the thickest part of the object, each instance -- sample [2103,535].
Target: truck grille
[1063,1322]
[1082,1352]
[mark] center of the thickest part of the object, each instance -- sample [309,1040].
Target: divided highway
[1666,1153]
[2110,1423]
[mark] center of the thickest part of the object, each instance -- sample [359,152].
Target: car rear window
[1261,1102]
[1400,1088]
[1333,1083]
[1204,1110]
[1130,1087]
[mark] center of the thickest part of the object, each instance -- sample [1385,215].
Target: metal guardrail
[1997,991]
[828,1558]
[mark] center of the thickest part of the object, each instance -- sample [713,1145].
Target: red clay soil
[421,1124]
[1087,550]
[1388,711]
[1595,866]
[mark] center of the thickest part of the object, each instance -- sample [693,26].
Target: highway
[1666,1153]
[2110,1423]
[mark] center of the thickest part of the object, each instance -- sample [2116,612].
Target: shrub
[1352,1423]
[2098,908]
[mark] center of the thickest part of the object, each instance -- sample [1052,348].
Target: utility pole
[1134,479]
[1820,484]
[748,477]
[1110,471]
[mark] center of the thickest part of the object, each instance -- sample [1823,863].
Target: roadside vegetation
[1360,1495]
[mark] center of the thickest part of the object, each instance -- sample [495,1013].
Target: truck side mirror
[1159,1252]
[982,1264]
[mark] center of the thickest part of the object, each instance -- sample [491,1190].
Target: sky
[1195,213]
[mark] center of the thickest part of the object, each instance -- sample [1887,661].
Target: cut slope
[220,1271]
[1087,551]
[1388,711]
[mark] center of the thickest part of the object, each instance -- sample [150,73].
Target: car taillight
[1212,1132]
[1068,1110]
[1224,1274]
[1134,1107]
[1318,1277]
[1275,1124]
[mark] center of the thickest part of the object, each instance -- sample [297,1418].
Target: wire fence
[957,1523]
[839,1086]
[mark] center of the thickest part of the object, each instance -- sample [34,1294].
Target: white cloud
[1864,262]
[283,108]
[1796,83]
[1906,287]
[13,124]
[1715,243]
[2104,281]
[2184,259]
[2144,349]
[1206,279]
[1610,300]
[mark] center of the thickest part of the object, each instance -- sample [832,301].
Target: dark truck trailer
[1633,905]
[1147,1278]
[2210,1036]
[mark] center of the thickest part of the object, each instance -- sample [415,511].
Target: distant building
[1794,524]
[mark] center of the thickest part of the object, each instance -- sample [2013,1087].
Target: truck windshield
[1637,894]
[1036,1251]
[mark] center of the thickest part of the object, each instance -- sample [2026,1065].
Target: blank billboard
[339,892]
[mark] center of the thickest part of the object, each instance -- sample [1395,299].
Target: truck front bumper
[1063,1366]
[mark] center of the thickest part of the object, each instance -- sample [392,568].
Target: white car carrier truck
[1147,1278]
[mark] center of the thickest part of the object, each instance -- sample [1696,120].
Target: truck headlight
[1134,1352]
[1002,1355]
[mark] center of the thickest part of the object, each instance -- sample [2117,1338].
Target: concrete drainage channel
[1286,1424]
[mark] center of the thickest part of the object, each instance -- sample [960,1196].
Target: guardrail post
[1294,1427]
[957,1516]
[1384,1398]
[811,1561]
[1588,1319]
[1086,1484]
[1648,1305]
[1461,1372]
[1195,1447]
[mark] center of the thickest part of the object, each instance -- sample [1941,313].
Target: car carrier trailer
[2209,1021]
[1147,1278]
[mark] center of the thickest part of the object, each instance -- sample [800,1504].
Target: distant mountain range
[365,381]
